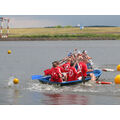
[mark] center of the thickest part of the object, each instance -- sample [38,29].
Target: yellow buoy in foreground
[118,67]
[15,80]
[117,79]
[9,51]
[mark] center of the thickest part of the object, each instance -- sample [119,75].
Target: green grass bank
[88,33]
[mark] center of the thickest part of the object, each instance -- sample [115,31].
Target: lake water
[32,57]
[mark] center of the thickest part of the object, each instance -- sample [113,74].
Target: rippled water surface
[30,58]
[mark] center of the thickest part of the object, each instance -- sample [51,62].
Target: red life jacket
[55,72]
[47,72]
[83,69]
[72,74]
[66,67]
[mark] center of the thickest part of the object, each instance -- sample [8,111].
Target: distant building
[81,27]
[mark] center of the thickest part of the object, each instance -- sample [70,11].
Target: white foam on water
[10,82]
[41,87]
[38,87]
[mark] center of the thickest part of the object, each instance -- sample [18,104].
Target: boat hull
[46,79]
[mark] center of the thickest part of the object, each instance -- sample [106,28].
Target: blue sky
[27,21]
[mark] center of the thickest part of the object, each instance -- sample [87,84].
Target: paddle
[102,82]
[108,70]
[36,77]
[83,79]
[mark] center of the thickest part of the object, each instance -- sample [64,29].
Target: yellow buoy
[9,51]
[117,79]
[118,67]
[15,80]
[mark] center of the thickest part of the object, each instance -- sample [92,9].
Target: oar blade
[108,70]
[102,82]
[36,77]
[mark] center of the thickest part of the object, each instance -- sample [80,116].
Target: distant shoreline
[54,39]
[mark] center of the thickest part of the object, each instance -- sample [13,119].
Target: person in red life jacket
[93,78]
[59,67]
[48,71]
[72,73]
[64,75]
[66,66]
[56,75]
[82,67]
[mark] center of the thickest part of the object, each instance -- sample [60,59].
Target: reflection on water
[66,99]
[15,96]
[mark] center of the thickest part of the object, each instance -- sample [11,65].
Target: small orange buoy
[9,51]
[15,80]
[117,79]
[118,67]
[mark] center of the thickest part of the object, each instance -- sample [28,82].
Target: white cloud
[27,23]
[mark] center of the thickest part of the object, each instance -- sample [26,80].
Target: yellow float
[118,67]
[15,80]
[9,51]
[117,79]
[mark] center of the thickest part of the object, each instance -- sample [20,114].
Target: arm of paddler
[63,60]
[90,70]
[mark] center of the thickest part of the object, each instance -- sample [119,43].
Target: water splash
[38,87]
[10,82]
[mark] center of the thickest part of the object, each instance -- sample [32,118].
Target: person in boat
[64,75]
[69,54]
[93,78]
[82,67]
[66,66]
[78,56]
[48,71]
[56,75]
[88,59]
[72,74]
[76,52]
[85,55]
[73,55]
